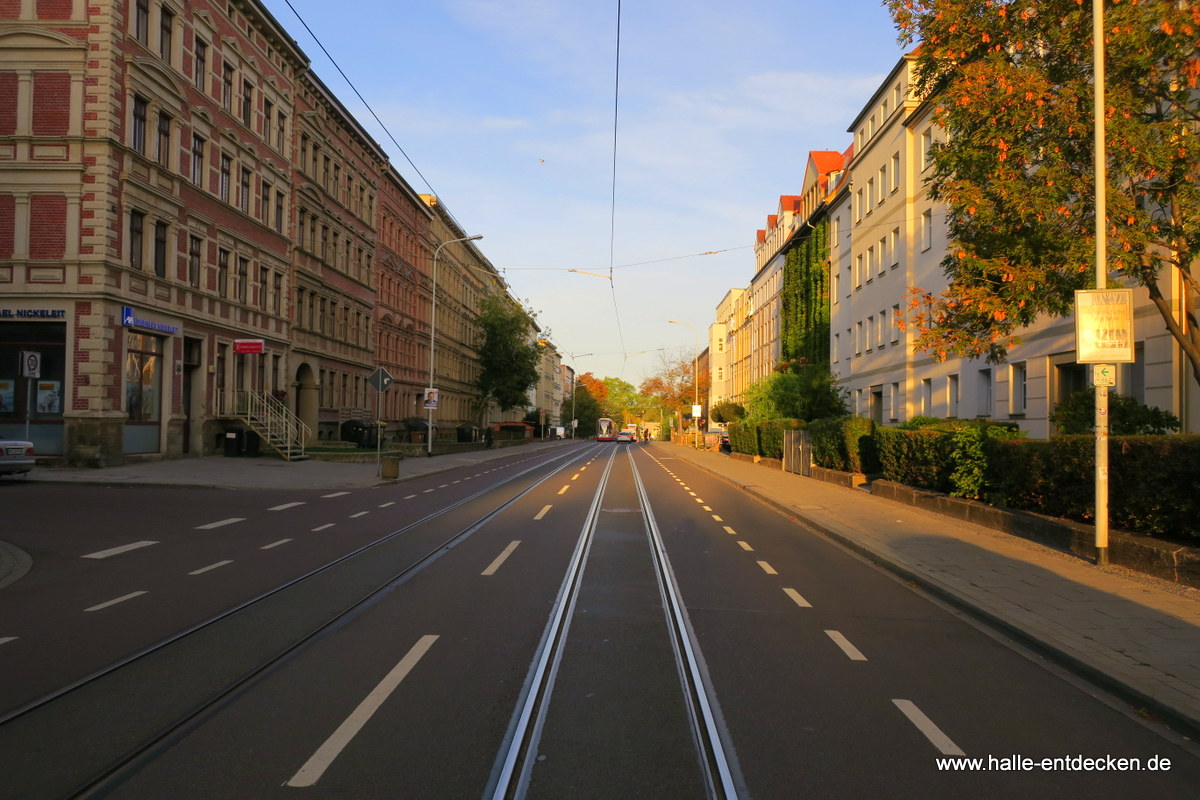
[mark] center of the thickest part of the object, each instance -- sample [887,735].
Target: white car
[16,457]
[625,436]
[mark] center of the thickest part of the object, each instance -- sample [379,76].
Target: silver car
[16,457]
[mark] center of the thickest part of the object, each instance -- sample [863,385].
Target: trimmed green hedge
[846,444]
[763,439]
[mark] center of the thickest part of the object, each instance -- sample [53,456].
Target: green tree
[587,411]
[508,355]
[728,411]
[801,391]
[1012,85]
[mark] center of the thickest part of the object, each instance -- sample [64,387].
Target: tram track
[108,773]
[513,772]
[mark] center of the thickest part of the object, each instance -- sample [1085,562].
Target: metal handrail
[271,413]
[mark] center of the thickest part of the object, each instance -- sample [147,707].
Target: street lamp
[695,368]
[432,332]
[574,370]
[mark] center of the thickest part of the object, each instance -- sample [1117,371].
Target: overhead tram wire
[612,217]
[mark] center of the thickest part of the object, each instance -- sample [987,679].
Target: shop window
[143,377]
[43,395]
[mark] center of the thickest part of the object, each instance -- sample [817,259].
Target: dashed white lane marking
[7,639]
[575,476]
[693,494]
[427,491]
[706,508]
[698,500]
[359,514]
[385,505]
[114,551]
[210,567]
[925,725]
[335,494]
[443,486]
[316,765]
[767,568]
[543,512]
[746,546]
[285,506]
[852,652]
[409,496]
[718,519]
[221,524]
[730,531]
[323,527]
[500,559]
[115,600]
[800,601]
[274,544]
[564,489]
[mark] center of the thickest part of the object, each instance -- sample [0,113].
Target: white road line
[706,508]
[718,519]
[427,491]
[316,765]
[323,527]
[443,486]
[114,601]
[543,512]
[698,500]
[746,546]
[274,544]
[767,568]
[335,494]
[385,505]
[925,725]
[575,476]
[359,514]
[852,652]
[286,506]
[693,494]
[7,639]
[210,567]
[500,559]
[800,601]
[125,548]
[409,496]
[564,489]
[730,531]
[221,524]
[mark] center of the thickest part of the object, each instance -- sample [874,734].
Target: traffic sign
[381,380]
[31,364]
[1104,375]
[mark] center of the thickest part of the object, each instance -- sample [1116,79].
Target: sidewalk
[1137,636]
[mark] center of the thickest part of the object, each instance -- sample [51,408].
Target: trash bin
[233,443]
[390,468]
[252,444]
[361,432]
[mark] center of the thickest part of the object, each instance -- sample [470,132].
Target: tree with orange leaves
[1012,85]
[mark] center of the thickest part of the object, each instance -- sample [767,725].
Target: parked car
[16,457]
[624,436]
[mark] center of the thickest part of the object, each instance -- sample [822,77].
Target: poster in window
[49,397]
[7,392]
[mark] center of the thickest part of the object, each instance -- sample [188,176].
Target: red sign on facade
[249,346]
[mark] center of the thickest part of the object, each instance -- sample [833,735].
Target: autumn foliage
[1012,87]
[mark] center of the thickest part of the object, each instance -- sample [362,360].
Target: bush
[1126,416]
[743,438]
[844,443]
[770,436]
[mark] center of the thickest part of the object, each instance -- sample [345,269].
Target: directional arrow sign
[380,379]
[1104,375]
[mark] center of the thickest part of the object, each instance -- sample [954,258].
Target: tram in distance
[606,431]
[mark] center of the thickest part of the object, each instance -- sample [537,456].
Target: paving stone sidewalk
[1136,636]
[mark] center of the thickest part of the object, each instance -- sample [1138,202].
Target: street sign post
[380,380]
[31,367]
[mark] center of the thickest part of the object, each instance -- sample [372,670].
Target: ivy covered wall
[805,312]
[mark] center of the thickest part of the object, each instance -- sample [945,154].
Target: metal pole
[432,332]
[1101,276]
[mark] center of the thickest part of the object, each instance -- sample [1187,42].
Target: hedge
[845,443]
[763,439]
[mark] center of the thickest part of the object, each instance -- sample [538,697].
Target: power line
[612,217]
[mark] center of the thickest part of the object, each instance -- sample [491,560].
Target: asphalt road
[827,677]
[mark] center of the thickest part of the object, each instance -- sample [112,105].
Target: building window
[243,279]
[226,168]
[138,135]
[160,249]
[141,21]
[264,203]
[277,295]
[870,333]
[281,132]
[895,184]
[200,67]
[1017,388]
[927,229]
[166,26]
[894,402]
[223,273]
[952,396]
[163,145]
[858,338]
[279,212]
[985,393]
[247,103]
[137,231]
[895,323]
[198,160]
[268,115]
[927,397]
[227,87]
[926,149]
[195,244]
[244,195]
[143,377]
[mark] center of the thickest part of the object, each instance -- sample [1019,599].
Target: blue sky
[506,108]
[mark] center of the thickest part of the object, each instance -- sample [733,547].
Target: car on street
[16,456]
[624,436]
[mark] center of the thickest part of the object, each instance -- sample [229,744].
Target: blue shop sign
[130,319]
